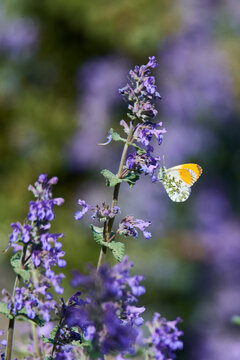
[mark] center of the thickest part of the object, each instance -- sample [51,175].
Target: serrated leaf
[116,136]
[16,264]
[22,314]
[5,311]
[117,249]
[131,178]
[111,179]
[97,234]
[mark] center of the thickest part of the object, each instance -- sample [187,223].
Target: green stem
[35,339]
[34,327]
[116,193]
[12,321]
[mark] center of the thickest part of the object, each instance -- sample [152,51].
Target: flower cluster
[164,340]
[102,213]
[140,94]
[128,227]
[141,91]
[108,316]
[37,249]
[143,163]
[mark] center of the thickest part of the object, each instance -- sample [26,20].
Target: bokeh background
[61,64]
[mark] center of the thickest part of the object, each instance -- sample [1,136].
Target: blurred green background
[61,64]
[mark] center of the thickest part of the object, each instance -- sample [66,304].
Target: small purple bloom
[85,209]
[128,227]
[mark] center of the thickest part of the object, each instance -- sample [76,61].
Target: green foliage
[116,247]
[131,178]
[17,267]
[51,338]
[4,310]
[22,315]
[116,136]
[111,179]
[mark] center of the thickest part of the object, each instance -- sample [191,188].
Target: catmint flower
[145,131]
[85,209]
[128,227]
[42,248]
[108,314]
[102,213]
[164,339]
[141,91]
[143,163]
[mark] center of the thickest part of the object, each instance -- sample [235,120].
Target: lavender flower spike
[141,91]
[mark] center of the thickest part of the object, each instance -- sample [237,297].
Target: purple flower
[141,92]
[42,248]
[102,213]
[145,131]
[143,163]
[108,307]
[85,209]
[128,227]
[164,339]
[99,78]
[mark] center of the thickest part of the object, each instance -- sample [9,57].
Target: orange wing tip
[194,167]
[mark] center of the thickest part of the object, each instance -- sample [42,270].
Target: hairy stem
[116,193]
[35,339]
[34,327]
[12,321]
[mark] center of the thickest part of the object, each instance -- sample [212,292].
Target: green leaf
[131,178]
[116,136]
[53,333]
[22,314]
[117,249]
[235,320]
[5,311]
[97,234]
[16,264]
[140,151]
[111,179]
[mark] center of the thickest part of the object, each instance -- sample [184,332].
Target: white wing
[176,189]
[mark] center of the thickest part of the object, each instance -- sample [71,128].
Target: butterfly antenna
[163,160]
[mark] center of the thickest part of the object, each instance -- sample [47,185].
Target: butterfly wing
[176,188]
[179,179]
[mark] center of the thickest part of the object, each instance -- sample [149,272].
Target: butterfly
[178,180]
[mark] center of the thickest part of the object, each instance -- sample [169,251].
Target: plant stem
[34,327]
[12,321]
[116,193]
[35,338]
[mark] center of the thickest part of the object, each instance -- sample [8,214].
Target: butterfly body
[178,180]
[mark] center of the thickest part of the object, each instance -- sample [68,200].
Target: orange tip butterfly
[178,180]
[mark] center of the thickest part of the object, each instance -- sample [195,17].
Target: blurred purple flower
[164,340]
[200,85]
[97,81]
[18,36]
[109,307]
